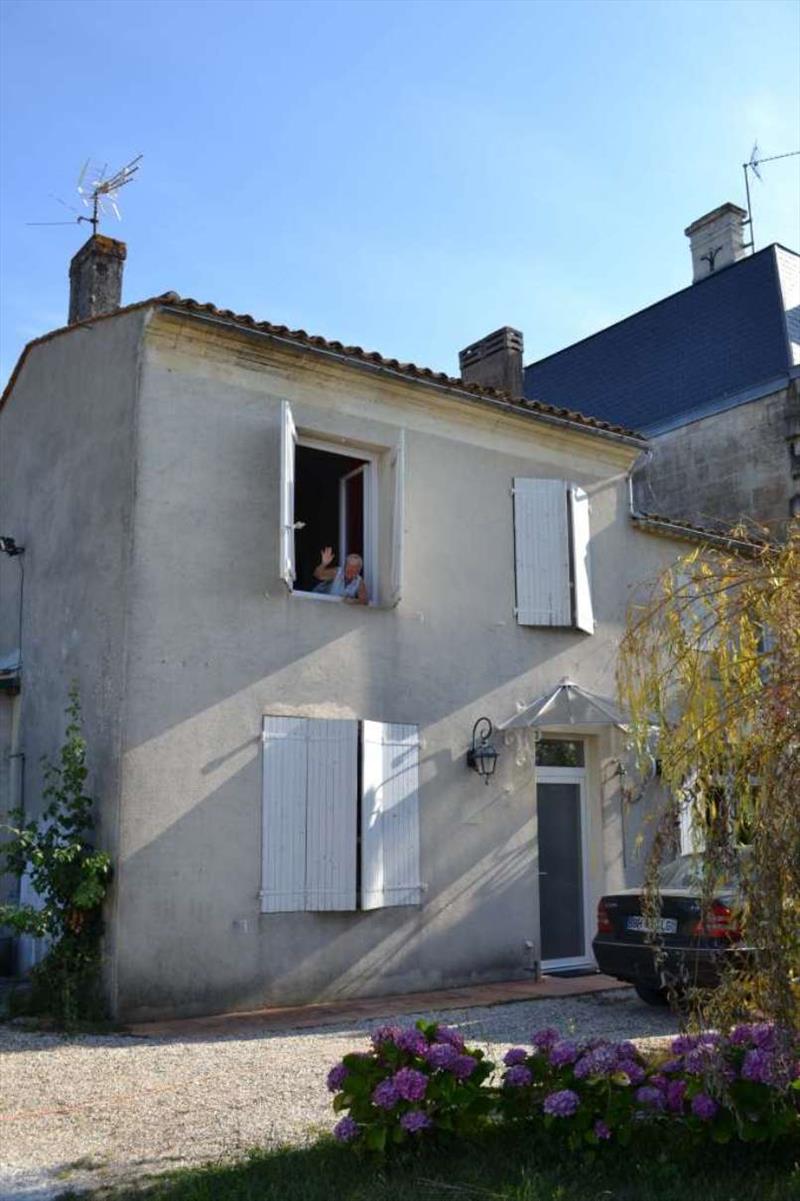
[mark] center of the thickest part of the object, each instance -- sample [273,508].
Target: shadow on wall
[183,892]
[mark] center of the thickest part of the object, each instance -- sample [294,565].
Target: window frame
[370,459]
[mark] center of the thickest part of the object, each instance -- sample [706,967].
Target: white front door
[564,921]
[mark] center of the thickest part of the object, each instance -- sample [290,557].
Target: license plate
[662,925]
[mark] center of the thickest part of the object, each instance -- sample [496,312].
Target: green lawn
[504,1166]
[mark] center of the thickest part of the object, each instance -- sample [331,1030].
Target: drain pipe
[641,461]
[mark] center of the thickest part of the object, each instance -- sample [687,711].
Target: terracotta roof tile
[299,336]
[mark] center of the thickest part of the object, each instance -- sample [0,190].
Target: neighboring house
[282,776]
[711,376]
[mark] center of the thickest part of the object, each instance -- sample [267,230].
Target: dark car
[695,945]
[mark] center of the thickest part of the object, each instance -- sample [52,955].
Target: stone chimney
[95,278]
[495,361]
[716,240]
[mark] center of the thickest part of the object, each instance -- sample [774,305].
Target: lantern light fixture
[482,757]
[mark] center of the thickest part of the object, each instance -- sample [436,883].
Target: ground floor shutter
[390,870]
[331,794]
[285,769]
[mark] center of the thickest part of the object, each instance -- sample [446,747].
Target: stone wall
[729,466]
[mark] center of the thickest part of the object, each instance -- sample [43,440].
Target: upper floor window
[341,518]
[551,555]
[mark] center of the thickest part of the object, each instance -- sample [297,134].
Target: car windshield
[687,872]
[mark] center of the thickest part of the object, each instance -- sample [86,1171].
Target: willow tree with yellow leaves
[710,673]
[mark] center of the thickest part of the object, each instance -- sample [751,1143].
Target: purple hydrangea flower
[583,1067]
[659,1081]
[626,1050]
[463,1067]
[697,1062]
[704,1107]
[653,1098]
[336,1077]
[634,1071]
[756,1034]
[598,1062]
[543,1040]
[413,1041]
[415,1120]
[385,1095]
[441,1055]
[449,1034]
[518,1076]
[345,1130]
[674,1094]
[601,1129]
[562,1104]
[385,1034]
[410,1084]
[683,1043]
[562,1053]
[672,1065]
[514,1056]
[758,1065]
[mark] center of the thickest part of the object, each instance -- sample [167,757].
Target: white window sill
[336,600]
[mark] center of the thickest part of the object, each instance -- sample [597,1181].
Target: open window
[341,518]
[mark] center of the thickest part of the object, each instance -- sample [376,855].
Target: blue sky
[404,176]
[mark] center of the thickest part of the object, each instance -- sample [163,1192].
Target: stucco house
[710,375]
[282,772]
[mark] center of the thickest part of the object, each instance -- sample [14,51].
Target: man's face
[352,567]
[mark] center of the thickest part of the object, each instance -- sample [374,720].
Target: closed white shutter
[541,553]
[332,790]
[581,573]
[389,815]
[283,876]
[286,539]
[398,467]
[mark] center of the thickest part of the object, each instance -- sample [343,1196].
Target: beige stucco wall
[214,641]
[66,483]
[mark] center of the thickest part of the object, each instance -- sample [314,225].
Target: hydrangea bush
[586,1091]
[415,1080]
[423,1080]
[743,1086]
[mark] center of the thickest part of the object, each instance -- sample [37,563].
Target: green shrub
[70,878]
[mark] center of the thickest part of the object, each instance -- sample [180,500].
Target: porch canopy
[568,705]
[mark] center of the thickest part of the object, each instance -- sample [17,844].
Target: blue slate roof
[714,340]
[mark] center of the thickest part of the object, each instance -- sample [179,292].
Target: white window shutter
[581,574]
[541,553]
[398,466]
[389,815]
[286,540]
[283,874]
[331,797]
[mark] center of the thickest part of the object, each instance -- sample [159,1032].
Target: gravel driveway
[91,1110]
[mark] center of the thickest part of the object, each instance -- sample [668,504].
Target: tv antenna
[753,164]
[98,192]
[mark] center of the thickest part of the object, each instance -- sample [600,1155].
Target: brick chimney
[716,240]
[495,361]
[95,278]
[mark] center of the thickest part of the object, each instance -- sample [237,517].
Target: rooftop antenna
[753,164]
[98,191]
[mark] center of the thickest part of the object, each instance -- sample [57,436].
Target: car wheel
[653,996]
